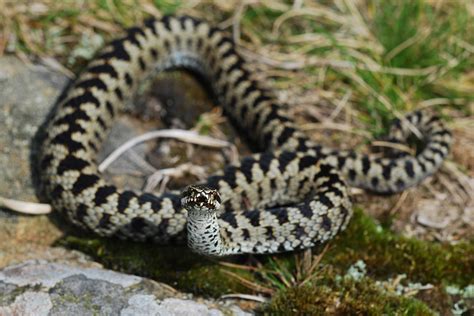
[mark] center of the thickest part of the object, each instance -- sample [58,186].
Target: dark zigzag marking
[282,215]
[307,161]
[132,35]
[83,182]
[442,132]
[110,108]
[90,83]
[331,189]
[57,191]
[150,24]
[265,161]
[306,210]
[246,166]
[285,159]
[124,200]
[436,151]
[46,162]
[73,118]
[245,234]
[254,217]
[81,212]
[138,224]
[119,93]
[117,52]
[230,218]
[440,143]
[128,79]
[71,163]
[103,69]
[326,223]
[409,169]
[285,135]
[104,221]
[65,139]
[103,193]
[76,102]
[365,164]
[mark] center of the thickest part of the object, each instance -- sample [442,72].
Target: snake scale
[292,195]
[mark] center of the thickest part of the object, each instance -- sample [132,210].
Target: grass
[387,57]
[397,54]
[348,297]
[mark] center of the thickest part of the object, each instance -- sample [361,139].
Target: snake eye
[217,197]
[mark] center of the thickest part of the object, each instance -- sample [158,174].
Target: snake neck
[204,233]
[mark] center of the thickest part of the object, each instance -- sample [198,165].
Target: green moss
[387,254]
[174,265]
[384,253]
[8,296]
[348,297]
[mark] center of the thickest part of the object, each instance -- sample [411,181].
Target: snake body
[291,196]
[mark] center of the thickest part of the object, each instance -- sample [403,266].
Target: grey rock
[79,294]
[43,288]
[29,303]
[49,274]
[146,305]
[27,93]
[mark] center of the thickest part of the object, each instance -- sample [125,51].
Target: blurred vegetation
[393,55]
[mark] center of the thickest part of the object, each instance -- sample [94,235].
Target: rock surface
[27,94]
[40,288]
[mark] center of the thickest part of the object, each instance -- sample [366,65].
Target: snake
[290,195]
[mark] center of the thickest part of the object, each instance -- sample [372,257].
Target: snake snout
[200,197]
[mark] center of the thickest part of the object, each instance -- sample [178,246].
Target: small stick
[23,207]
[182,135]
[245,297]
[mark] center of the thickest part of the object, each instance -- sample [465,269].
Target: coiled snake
[291,196]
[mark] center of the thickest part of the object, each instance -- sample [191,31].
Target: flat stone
[27,92]
[38,287]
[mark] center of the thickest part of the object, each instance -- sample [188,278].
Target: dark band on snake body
[293,170]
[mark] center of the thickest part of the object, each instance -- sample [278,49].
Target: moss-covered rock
[349,297]
[175,265]
[387,254]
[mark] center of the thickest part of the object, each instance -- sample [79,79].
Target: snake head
[200,197]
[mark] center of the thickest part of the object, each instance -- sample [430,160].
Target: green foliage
[347,297]
[168,6]
[387,254]
[174,265]
[415,34]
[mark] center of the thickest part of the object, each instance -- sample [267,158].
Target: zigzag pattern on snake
[297,190]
